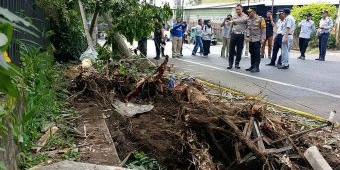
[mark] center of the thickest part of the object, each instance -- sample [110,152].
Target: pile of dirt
[187,130]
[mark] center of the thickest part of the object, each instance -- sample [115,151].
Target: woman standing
[206,36]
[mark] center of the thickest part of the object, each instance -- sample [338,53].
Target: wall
[27,9]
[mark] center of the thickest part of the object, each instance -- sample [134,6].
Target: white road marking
[268,80]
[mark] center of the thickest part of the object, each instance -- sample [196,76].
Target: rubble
[186,125]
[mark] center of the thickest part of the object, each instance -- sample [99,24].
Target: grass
[43,104]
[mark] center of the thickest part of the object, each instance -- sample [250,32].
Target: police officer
[239,22]
[278,39]
[256,35]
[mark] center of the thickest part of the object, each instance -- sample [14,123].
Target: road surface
[309,85]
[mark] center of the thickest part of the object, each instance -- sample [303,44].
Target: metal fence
[29,10]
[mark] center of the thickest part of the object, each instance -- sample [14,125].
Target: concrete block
[68,165]
[316,160]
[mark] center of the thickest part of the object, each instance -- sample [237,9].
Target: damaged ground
[191,126]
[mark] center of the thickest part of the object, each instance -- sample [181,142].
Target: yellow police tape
[298,112]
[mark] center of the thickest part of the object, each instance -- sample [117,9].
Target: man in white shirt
[325,26]
[198,38]
[307,29]
[278,39]
[287,39]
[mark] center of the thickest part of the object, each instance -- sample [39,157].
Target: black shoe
[321,59]
[249,69]
[254,70]
[317,59]
[270,64]
[301,58]
[283,67]
[156,58]
[237,67]
[230,67]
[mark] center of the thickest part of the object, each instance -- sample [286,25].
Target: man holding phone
[226,36]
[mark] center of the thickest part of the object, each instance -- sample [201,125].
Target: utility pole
[273,6]
[182,10]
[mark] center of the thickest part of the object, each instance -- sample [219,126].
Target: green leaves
[298,12]
[13,20]
[134,19]
[143,162]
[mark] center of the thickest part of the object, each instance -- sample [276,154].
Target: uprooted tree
[130,18]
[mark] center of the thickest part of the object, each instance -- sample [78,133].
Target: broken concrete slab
[67,165]
[316,160]
[130,109]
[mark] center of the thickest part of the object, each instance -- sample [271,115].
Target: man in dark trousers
[238,23]
[278,39]
[255,35]
[325,26]
[306,30]
[158,37]
[270,24]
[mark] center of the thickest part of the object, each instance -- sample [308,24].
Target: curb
[298,112]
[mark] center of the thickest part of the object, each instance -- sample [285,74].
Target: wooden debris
[260,141]
[158,74]
[256,109]
[299,134]
[259,154]
[237,151]
[196,96]
[267,139]
[250,127]
[283,149]
[42,141]
[245,129]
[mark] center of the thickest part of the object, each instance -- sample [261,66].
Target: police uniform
[256,32]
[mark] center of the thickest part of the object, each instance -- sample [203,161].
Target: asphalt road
[309,85]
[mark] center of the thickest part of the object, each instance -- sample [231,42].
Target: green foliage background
[298,12]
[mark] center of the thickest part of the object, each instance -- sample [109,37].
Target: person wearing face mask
[325,26]
[307,29]
[206,37]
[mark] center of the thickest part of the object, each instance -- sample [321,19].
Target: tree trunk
[119,43]
[94,19]
[83,16]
